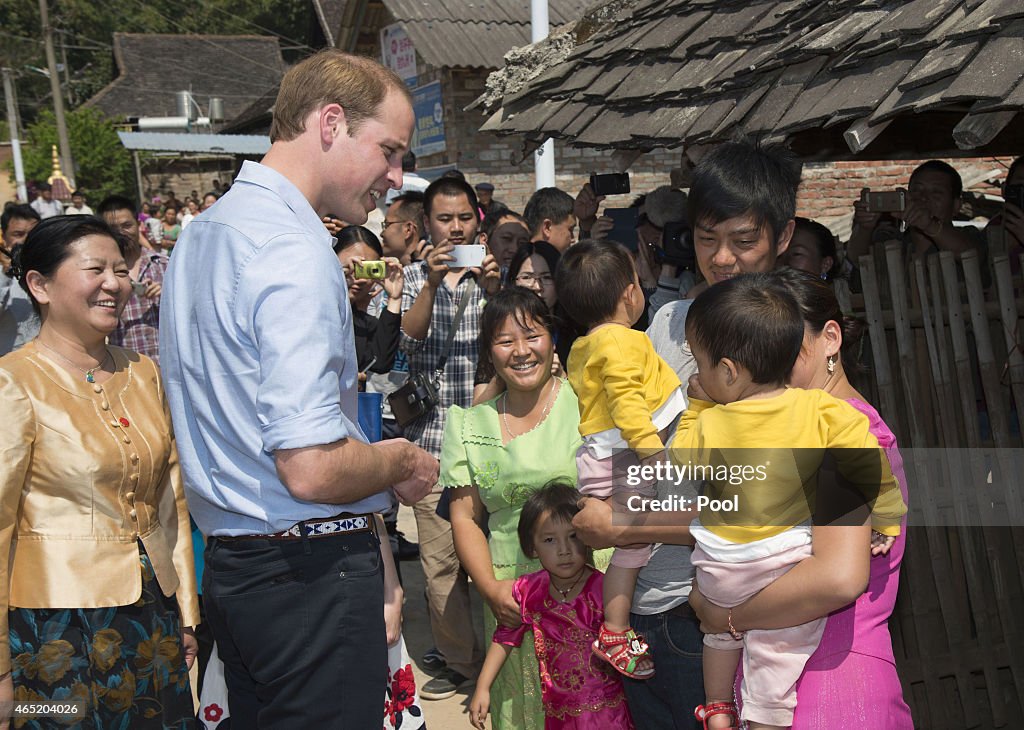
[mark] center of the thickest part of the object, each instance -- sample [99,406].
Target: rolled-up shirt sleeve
[296,323]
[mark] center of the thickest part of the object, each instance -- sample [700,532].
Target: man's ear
[785,237]
[732,372]
[331,121]
[545,229]
[826,264]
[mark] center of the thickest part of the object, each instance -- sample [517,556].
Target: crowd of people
[200,366]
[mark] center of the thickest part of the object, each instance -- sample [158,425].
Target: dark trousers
[300,628]
[666,701]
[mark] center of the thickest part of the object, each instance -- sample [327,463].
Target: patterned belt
[311,529]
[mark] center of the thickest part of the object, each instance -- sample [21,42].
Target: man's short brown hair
[359,84]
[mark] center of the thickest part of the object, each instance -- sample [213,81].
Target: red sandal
[624,652]
[703,712]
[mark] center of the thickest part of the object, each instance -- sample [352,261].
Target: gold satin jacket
[86,471]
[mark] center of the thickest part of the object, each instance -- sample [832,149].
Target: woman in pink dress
[850,680]
[562,605]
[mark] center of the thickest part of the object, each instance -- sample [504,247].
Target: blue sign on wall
[428,135]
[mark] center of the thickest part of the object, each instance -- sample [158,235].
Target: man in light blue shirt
[259,363]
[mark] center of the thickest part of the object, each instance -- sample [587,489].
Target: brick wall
[829,189]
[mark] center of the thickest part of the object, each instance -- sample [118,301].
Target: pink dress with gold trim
[580,691]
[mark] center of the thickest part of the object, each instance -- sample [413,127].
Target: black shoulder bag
[420,395]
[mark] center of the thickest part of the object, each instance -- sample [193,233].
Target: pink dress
[850,681]
[579,690]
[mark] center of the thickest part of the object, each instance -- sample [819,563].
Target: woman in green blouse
[494,455]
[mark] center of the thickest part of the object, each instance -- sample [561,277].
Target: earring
[830,364]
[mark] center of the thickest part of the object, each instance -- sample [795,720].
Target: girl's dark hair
[754,321]
[590,280]
[48,245]
[351,235]
[823,240]
[818,305]
[545,250]
[514,301]
[558,498]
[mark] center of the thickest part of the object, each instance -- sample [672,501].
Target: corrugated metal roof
[466,33]
[483,11]
[228,144]
[665,73]
[473,45]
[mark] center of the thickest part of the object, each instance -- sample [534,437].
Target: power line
[298,44]
[206,40]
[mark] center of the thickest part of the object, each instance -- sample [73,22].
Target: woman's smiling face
[522,352]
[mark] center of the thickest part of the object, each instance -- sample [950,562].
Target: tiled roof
[255,118]
[947,74]
[151,67]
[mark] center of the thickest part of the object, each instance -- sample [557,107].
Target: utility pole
[66,161]
[544,156]
[13,123]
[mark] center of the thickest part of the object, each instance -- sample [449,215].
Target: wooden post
[943,346]
[904,341]
[995,403]
[940,385]
[961,357]
[879,349]
[1011,330]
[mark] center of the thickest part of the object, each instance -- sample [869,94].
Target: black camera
[615,183]
[418,397]
[677,246]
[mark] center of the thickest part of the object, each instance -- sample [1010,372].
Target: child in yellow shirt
[627,395]
[746,334]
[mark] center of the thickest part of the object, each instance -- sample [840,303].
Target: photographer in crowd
[932,201]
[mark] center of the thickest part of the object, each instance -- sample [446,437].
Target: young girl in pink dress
[562,605]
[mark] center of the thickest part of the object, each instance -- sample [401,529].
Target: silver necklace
[543,414]
[565,594]
[90,374]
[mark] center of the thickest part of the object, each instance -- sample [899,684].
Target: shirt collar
[258,174]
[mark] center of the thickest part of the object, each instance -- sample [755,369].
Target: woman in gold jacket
[94,532]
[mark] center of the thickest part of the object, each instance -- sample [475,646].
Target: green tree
[83,34]
[104,166]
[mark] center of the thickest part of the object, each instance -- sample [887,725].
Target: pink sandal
[624,652]
[703,712]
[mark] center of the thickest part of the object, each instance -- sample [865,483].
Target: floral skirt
[402,709]
[125,663]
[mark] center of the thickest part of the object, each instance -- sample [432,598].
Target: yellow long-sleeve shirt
[620,381]
[785,439]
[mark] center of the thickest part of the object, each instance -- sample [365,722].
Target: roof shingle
[238,69]
[681,72]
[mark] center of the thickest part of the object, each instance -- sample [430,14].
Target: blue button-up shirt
[257,354]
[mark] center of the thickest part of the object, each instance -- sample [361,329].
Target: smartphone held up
[615,183]
[467,255]
[886,201]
